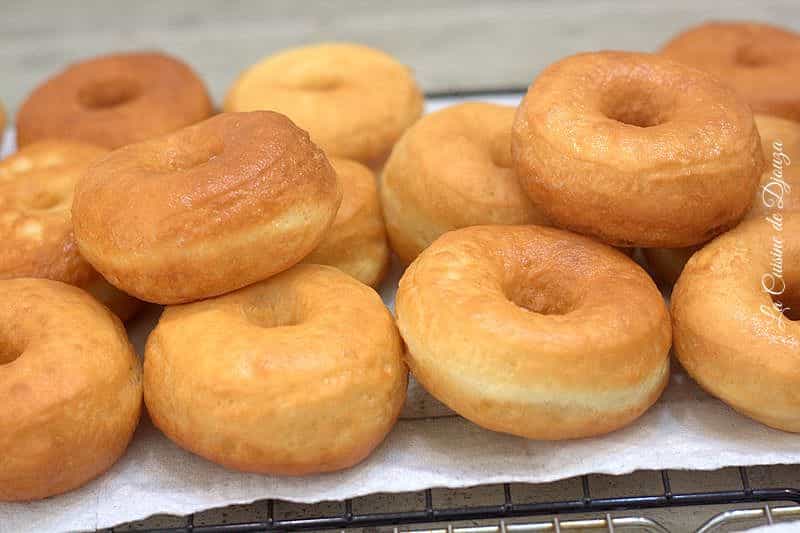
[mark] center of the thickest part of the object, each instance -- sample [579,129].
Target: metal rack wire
[510,509]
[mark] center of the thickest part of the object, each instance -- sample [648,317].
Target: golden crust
[724,338]
[36,238]
[206,210]
[667,263]
[636,150]
[115,100]
[71,388]
[450,170]
[355,101]
[312,379]
[761,62]
[534,331]
[356,241]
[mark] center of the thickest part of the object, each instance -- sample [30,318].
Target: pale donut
[534,331]
[636,150]
[356,241]
[36,239]
[207,209]
[355,101]
[761,62]
[728,334]
[783,162]
[312,377]
[71,388]
[450,170]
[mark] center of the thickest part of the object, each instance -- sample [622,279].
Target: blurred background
[452,45]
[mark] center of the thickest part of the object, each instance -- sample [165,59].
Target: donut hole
[321,84]
[198,155]
[108,93]
[9,352]
[790,302]
[45,200]
[542,297]
[636,106]
[750,56]
[267,313]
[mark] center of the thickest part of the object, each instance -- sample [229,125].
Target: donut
[739,342]
[450,170]
[780,144]
[115,100]
[71,388]
[356,241]
[254,409]
[759,61]
[36,238]
[355,101]
[636,150]
[534,331]
[205,210]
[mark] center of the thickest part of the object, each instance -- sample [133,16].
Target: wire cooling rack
[510,508]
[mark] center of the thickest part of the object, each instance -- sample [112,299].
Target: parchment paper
[686,429]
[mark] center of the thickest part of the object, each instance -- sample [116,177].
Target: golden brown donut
[534,331]
[761,62]
[355,101]
[450,170]
[71,388]
[729,332]
[36,239]
[636,150]
[115,100]
[312,377]
[356,241]
[780,182]
[205,210]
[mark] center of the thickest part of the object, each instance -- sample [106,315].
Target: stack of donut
[262,230]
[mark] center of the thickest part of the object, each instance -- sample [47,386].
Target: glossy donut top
[184,202]
[450,170]
[543,315]
[761,62]
[115,100]
[636,149]
[355,101]
[36,190]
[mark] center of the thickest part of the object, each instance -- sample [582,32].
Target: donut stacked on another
[115,100]
[355,101]
[206,210]
[36,237]
[636,150]
[71,387]
[450,170]
[780,143]
[761,62]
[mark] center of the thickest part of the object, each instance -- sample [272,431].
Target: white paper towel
[686,429]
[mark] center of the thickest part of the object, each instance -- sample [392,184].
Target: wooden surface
[451,44]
